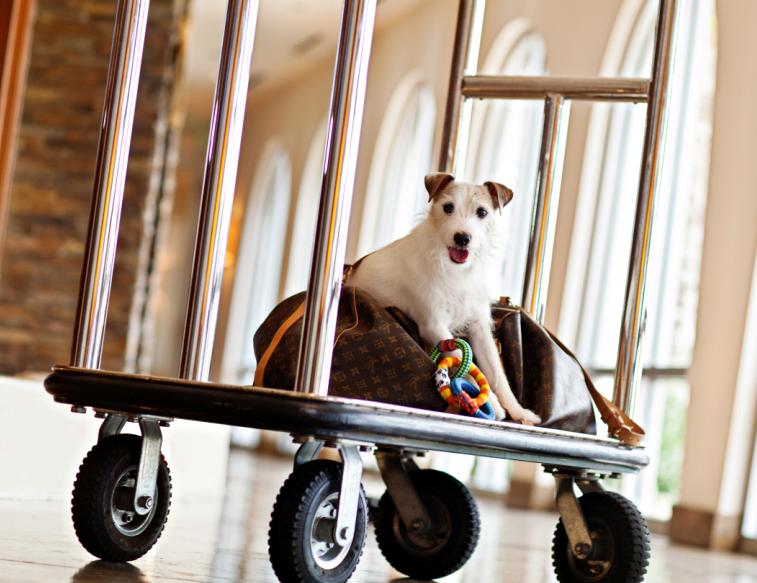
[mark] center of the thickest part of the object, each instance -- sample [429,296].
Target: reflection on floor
[210,542]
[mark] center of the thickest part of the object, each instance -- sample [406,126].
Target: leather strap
[275,341]
[619,424]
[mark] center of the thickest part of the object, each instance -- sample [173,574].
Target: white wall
[721,415]
[42,445]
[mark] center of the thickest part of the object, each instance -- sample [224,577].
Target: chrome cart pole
[544,217]
[343,136]
[110,175]
[221,162]
[454,143]
[629,365]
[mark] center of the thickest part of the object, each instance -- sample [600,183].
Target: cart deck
[334,418]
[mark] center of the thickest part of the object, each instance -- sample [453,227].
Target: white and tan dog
[437,275]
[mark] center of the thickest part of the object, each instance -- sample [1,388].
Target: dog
[437,274]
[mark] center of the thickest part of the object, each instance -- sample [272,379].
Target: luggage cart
[427,523]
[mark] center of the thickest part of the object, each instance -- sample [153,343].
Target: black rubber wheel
[301,541]
[102,505]
[620,540]
[453,535]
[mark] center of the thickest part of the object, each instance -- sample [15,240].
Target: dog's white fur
[417,274]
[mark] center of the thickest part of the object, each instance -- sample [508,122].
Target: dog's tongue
[458,255]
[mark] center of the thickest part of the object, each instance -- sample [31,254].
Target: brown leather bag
[379,356]
[542,376]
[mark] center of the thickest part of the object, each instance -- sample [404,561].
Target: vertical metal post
[342,138]
[629,366]
[547,199]
[110,175]
[221,162]
[454,142]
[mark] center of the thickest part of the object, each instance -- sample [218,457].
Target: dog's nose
[462,239]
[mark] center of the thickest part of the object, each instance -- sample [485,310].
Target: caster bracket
[307,451]
[149,461]
[409,506]
[349,491]
[572,516]
[349,494]
[112,425]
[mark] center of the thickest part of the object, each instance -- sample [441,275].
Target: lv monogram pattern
[375,357]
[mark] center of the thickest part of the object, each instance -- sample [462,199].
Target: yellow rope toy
[458,392]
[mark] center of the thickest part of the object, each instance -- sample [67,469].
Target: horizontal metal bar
[589,89]
[650,373]
[334,418]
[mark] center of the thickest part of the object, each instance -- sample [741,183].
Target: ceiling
[290,34]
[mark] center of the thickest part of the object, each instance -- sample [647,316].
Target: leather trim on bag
[285,326]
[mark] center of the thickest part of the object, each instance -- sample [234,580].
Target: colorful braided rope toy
[450,345]
[457,391]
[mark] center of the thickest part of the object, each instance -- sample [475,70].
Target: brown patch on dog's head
[436,182]
[501,195]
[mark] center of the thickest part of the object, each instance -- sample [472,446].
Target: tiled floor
[210,542]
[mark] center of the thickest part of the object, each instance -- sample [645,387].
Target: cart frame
[314,418]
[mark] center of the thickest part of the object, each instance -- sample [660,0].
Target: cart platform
[334,418]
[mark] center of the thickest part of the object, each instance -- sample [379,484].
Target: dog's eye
[481,212]
[449,208]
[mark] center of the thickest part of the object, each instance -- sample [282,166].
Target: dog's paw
[499,413]
[525,416]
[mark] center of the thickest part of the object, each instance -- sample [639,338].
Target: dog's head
[463,215]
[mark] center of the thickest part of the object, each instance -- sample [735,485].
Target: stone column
[52,183]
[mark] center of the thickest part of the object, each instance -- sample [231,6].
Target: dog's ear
[436,182]
[501,195]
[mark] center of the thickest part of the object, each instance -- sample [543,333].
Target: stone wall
[52,184]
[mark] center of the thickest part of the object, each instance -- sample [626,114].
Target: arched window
[597,270]
[504,143]
[396,199]
[257,281]
[303,233]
